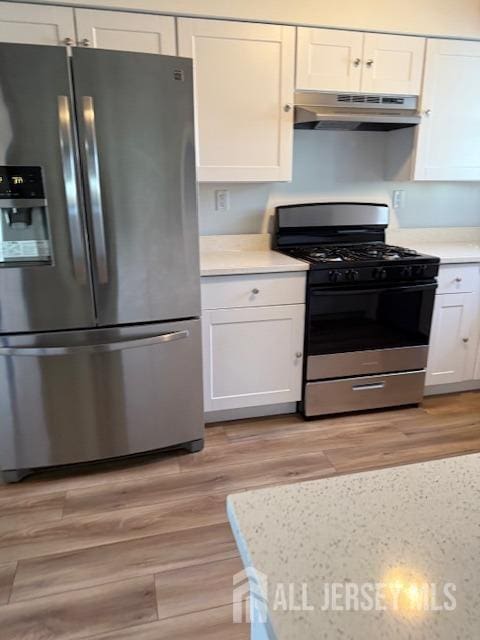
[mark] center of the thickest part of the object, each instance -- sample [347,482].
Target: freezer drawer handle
[369,387]
[93,175]
[94,348]
[71,191]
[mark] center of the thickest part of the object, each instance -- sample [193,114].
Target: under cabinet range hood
[354,112]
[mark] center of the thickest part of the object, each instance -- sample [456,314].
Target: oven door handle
[347,292]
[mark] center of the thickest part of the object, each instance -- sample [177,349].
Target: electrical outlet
[398,199]
[222,200]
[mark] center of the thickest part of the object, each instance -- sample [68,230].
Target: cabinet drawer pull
[369,387]
[465,339]
[356,62]
[299,354]
[369,63]
[458,279]
[255,291]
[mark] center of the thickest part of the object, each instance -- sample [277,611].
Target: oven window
[346,320]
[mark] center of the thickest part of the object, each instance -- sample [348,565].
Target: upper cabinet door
[392,64]
[243,98]
[126,31]
[329,60]
[448,143]
[36,24]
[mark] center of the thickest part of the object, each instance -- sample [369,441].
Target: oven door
[368,329]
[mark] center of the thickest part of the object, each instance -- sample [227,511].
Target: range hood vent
[354,112]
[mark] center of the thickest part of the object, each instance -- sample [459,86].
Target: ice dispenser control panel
[21,183]
[24,228]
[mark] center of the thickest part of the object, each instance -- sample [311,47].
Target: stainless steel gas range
[369,307]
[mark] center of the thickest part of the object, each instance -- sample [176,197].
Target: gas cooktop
[361,253]
[345,243]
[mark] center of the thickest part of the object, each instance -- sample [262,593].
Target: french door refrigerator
[100,351]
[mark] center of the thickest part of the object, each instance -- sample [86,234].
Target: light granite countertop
[453,245]
[450,252]
[403,527]
[251,253]
[242,254]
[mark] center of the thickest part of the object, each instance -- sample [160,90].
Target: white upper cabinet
[36,24]
[392,64]
[244,77]
[448,142]
[126,31]
[329,60]
[351,61]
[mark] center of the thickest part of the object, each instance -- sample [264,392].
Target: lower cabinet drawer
[367,392]
[253,290]
[458,278]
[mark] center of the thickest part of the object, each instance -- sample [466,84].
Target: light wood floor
[143,551]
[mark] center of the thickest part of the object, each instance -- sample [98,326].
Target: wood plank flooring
[142,549]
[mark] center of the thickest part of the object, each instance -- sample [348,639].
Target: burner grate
[354,253]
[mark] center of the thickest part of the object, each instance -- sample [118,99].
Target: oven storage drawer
[366,392]
[357,363]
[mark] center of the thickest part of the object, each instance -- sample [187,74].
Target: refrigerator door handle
[94,348]
[93,178]
[71,189]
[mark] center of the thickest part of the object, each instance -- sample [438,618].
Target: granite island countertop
[403,526]
[243,254]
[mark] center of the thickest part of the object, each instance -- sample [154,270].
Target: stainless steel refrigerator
[100,350]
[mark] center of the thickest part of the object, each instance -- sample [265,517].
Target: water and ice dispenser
[24,229]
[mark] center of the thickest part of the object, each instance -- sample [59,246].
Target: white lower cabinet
[454,355]
[252,327]
[252,356]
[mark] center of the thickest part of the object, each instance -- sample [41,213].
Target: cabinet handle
[68,42]
[287,108]
[369,63]
[356,62]
[465,339]
[255,291]
[458,279]
[427,112]
[299,354]
[85,42]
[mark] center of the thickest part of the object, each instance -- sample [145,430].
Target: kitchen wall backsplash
[346,166]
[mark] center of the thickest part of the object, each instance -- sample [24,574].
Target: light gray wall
[339,166]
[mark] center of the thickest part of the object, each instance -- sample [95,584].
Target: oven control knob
[406,272]
[352,274]
[334,276]
[380,274]
[421,270]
